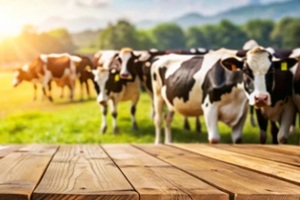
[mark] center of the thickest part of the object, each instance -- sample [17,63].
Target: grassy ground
[23,120]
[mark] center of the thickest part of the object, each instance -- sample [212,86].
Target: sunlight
[9,27]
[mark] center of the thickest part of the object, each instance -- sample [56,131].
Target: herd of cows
[218,84]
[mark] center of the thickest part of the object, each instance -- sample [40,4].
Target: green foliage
[122,34]
[169,36]
[196,38]
[260,31]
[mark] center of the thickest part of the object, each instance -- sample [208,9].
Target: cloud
[92,3]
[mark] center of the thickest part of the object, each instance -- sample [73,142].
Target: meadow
[23,120]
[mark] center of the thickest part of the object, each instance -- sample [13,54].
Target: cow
[268,83]
[196,85]
[60,68]
[138,63]
[83,70]
[113,89]
[24,74]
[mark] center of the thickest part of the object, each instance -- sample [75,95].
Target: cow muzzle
[102,102]
[261,100]
[125,75]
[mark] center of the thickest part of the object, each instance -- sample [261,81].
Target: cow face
[127,59]
[20,75]
[101,76]
[258,75]
[256,70]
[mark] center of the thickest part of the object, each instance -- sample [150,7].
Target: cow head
[20,75]
[108,81]
[101,76]
[258,74]
[127,59]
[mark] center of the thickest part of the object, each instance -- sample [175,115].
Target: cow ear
[232,64]
[285,64]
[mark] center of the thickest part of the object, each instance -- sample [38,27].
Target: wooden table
[124,171]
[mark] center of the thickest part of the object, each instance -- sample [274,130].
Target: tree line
[284,34]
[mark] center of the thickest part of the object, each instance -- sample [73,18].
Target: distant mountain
[274,11]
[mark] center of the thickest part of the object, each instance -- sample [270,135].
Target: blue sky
[16,13]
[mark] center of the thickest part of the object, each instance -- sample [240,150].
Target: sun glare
[8,28]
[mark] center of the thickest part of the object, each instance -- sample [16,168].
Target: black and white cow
[268,84]
[138,63]
[113,89]
[196,85]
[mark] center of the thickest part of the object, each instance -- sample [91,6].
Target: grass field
[23,120]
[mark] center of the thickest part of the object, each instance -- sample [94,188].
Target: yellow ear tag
[233,68]
[284,66]
[117,77]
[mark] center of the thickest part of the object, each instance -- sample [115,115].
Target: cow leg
[274,132]
[186,124]
[198,125]
[263,125]
[158,104]
[169,118]
[237,130]
[87,89]
[72,87]
[133,120]
[47,82]
[62,92]
[103,121]
[114,114]
[211,121]
[34,91]
[81,89]
[285,122]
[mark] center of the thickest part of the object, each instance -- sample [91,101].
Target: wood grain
[21,171]
[83,171]
[7,149]
[265,153]
[155,179]
[239,182]
[278,170]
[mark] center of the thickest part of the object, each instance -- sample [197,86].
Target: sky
[14,14]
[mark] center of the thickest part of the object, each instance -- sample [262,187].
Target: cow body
[113,89]
[138,63]
[196,85]
[60,68]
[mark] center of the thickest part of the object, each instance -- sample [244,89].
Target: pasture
[23,120]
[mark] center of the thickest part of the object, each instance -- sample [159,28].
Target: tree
[230,35]
[122,34]
[169,36]
[195,37]
[260,31]
[280,31]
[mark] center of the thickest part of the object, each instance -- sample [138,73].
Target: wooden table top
[127,171]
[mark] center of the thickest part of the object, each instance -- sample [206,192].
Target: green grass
[23,120]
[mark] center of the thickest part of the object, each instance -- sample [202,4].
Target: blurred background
[31,27]
[28,28]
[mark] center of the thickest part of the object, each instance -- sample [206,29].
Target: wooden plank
[83,171]
[21,171]
[155,179]
[261,152]
[279,170]
[7,149]
[239,182]
[286,149]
